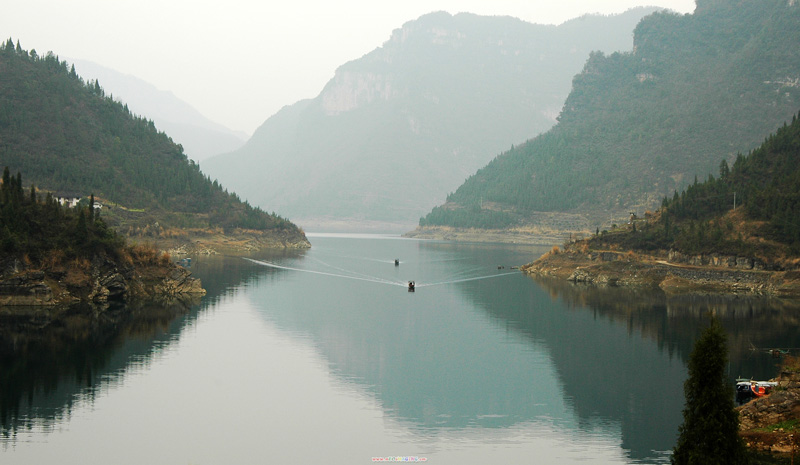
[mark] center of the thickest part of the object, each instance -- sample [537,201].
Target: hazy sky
[239,61]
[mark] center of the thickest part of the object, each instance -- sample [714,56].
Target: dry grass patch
[147,254]
[78,272]
[53,259]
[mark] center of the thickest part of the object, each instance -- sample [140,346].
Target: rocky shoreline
[531,236]
[202,242]
[769,424]
[97,282]
[673,273]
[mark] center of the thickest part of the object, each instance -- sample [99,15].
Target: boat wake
[375,279]
[359,278]
[462,280]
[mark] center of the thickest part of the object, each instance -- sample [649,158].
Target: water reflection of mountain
[608,372]
[754,324]
[45,373]
[598,340]
[503,352]
[424,361]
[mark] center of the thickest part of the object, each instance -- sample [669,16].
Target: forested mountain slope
[397,129]
[67,135]
[695,90]
[751,209]
[733,234]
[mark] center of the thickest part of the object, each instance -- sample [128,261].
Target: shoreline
[636,270]
[144,270]
[769,424]
[202,242]
[100,282]
[529,236]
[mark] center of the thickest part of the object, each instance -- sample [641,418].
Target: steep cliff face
[377,77]
[350,90]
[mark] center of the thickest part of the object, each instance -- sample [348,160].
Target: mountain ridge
[640,125]
[734,233]
[397,128]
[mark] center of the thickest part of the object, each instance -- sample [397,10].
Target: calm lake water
[323,356]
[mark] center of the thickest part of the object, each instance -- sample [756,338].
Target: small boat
[748,388]
[411,286]
[396,262]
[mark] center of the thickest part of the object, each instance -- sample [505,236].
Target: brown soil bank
[673,273]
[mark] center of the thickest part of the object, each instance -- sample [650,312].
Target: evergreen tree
[18,193]
[724,169]
[710,431]
[81,228]
[6,186]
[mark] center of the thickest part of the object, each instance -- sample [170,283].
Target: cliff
[99,281]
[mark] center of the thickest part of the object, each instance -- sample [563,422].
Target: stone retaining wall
[729,261]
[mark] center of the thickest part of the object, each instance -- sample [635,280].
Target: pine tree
[6,188]
[724,170]
[80,230]
[18,192]
[710,431]
[91,209]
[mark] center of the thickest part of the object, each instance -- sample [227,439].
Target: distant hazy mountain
[638,126]
[394,131]
[200,137]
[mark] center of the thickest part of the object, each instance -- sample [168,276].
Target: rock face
[758,418]
[26,289]
[775,408]
[98,282]
[177,282]
[727,261]
[692,274]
